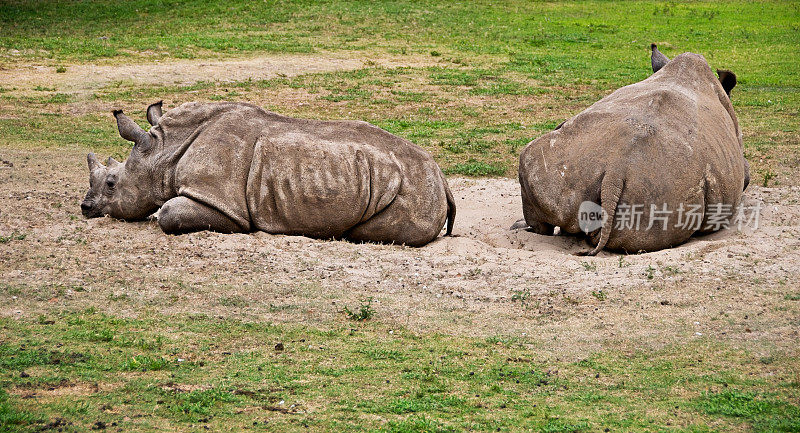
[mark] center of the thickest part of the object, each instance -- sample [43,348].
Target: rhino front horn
[129,130]
[91,158]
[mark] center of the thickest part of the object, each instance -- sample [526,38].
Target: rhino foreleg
[184,215]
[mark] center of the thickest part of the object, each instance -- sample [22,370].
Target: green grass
[476,168]
[15,236]
[585,40]
[762,412]
[531,64]
[362,313]
[224,373]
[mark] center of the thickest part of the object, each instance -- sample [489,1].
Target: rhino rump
[671,139]
[342,189]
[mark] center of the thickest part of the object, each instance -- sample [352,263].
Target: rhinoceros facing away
[234,167]
[643,158]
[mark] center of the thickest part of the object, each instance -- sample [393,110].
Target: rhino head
[658,60]
[125,190]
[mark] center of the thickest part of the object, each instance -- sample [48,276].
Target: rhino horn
[154,113]
[129,130]
[657,58]
[727,79]
[111,162]
[94,164]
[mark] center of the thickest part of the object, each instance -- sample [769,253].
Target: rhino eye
[111,183]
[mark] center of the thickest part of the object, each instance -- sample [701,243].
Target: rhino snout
[87,209]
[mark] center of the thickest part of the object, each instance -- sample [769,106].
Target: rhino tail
[610,192]
[451,208]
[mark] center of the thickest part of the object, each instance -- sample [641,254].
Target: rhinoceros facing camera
[234,167]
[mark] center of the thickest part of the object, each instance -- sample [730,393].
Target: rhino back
[395,167]
[301,183]
[685,137]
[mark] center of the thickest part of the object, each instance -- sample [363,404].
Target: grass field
[482,79]
[497,75]
[156,373]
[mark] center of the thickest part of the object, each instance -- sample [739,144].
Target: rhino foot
[519,224]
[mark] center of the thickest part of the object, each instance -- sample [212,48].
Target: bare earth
[85,78]
[487,280]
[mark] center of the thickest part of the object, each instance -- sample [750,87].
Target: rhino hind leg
[403,222]
[532,221]
[183,215]
[519,224]
[378,230]
[540,228]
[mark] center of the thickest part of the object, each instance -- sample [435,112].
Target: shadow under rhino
[234,167]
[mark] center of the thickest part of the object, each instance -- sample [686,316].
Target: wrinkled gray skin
[234,167]
[672,139]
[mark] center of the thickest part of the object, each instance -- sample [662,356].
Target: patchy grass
[515,63]
[580,41]
[15,236]
[762,412]
[225,374]
[362,313]
[476,168]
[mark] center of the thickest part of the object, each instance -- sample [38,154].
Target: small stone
[279,347]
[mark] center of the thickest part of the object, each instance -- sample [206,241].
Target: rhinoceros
[639,160]
[235,167]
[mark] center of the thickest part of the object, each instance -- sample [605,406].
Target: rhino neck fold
[165,164]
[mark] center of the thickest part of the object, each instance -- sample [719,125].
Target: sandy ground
[83,79]
[486,281]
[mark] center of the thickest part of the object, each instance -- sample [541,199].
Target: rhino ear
[727,79]
[154,113]
[111,162]
[129,130]
[657,58]
[94,164]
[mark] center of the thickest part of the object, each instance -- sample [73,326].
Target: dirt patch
[487,281]
[184,387]
[83,79]
[65,388]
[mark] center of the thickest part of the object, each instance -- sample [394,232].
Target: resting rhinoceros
[234,167]
[652,151]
